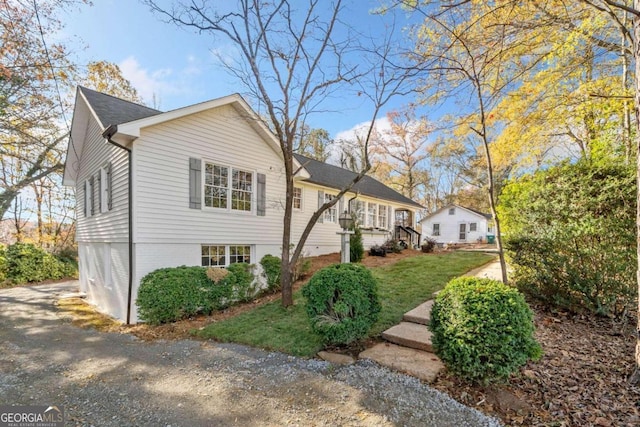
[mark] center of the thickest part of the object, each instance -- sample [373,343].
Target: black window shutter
[85,204]
[92,186]
[261,195]
[320,203]
[195,183]
[109,186]
[99,175]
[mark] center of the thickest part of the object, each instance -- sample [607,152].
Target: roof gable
[337,177]
[473,211]
[110,110]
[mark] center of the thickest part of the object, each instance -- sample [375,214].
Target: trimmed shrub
[26,263]
[342,302]
[216,274]
[241,282]
[377,250]
[482,329]
[356,248]
[572,236]
[428,245]
[271,267]
[171,294]
[3,265]
[394,246]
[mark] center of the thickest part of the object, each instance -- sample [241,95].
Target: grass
[86,316]
[401,286]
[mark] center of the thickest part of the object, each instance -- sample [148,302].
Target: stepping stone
[416,363]
[410,335]
[421,314]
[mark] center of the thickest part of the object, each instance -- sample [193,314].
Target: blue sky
[177,65]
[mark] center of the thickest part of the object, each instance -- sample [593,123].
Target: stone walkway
[408,348]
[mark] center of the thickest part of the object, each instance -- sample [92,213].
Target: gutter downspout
[107,134]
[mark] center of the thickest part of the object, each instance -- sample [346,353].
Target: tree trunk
[635,377]
[286,274]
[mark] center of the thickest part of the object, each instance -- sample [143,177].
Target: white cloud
[149,83]
[381,125]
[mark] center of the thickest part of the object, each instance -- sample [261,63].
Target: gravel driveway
[109,379]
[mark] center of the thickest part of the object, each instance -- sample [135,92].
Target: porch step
[421,314]
[410,335]
[417,363]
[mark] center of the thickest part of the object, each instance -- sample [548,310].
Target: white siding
[111,226]
[323,238]
[161,179]
[104,276]
[450,225]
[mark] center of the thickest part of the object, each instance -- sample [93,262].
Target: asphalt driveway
[111,379]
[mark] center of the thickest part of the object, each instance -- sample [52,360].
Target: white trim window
[452,211]
[473,226]
[224,190]
[436,229]
[225,255]
[357,209]
[372,214]
[297,197]
[331,214]
[382,216]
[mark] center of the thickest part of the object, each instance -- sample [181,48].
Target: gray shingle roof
[114,111]
[337,177]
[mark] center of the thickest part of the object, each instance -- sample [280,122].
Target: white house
[457,224]
[200,185]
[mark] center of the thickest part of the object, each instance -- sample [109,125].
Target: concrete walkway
[408,348]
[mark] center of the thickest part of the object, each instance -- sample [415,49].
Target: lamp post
[345,222]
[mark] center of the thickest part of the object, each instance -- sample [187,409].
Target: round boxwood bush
[170,294]
[482,329]
[271,267]
[342,302]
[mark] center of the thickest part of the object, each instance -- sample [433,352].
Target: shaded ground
[115,380]
[580,381]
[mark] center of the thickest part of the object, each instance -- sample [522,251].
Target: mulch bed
[580,381]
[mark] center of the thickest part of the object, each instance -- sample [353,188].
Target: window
[88,197]
[330,215]
[357,211]
[217,183]
[489,228]
[436,230]
[239,254]
[105,188]
[224,255]
[452,211]
[297,198]
[214,256]
[242,185]
[382,216]
[473,226]
[372,214]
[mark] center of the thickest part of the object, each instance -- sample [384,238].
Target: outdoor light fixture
[345,220]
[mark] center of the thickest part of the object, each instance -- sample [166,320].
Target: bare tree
[291,57]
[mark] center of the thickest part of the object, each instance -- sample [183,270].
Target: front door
[463,232]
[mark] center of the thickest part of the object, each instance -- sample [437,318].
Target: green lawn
[401,286]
